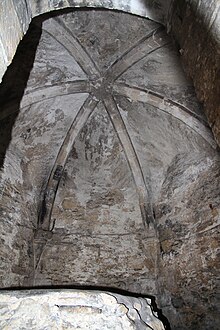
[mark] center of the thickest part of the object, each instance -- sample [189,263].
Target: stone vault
[110,173]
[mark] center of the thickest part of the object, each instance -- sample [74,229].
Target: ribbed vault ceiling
[106,111]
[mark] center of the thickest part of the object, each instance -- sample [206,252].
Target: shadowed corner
[158,9]
[14,83]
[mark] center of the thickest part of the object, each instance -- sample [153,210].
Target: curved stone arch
[178,111]
[150,9]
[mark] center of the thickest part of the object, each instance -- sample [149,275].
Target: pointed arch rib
[59,165]
[123,135]
[172,108]
[46,93]
[153,41]
[57,30]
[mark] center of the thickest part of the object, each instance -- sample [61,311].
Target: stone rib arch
[59,165]
[132,158]
[63,35]
[153,41]
[176,110]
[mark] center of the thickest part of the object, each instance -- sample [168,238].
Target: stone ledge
[75,309]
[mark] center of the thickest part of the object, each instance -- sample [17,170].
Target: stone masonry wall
[195,26]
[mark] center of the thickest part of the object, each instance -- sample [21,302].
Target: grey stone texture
[74,309]
[110,172]
[195,26]
[188,228]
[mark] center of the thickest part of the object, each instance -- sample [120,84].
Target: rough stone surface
[187,215]
[72,309]
[196,28]
[110,173]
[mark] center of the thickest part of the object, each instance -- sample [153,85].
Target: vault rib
[44,221]
[147,45]
[46,93]
[168,106]
[64,37]
[132,159]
